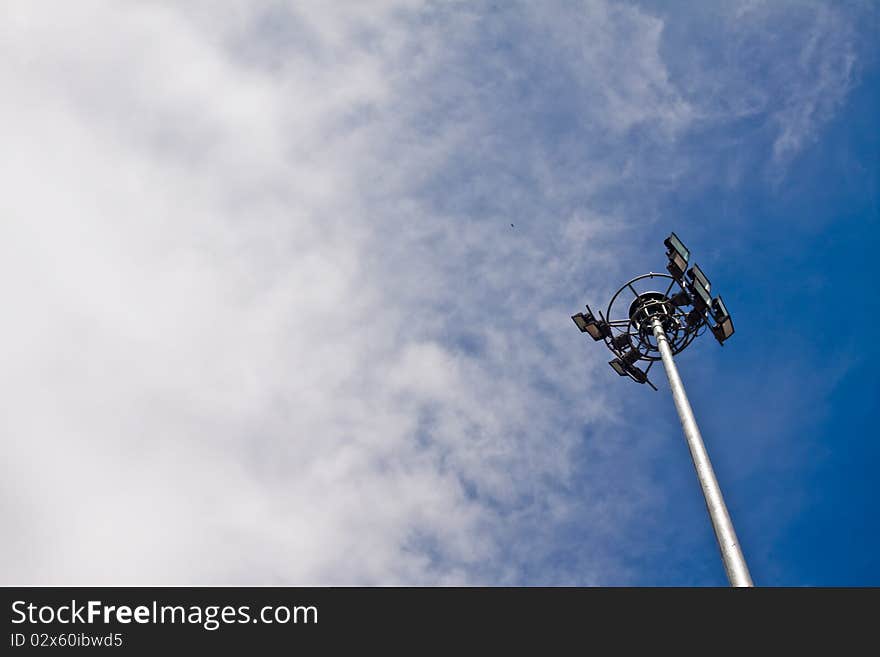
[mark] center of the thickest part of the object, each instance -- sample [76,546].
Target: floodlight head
[587,323]
[723,328]
[696,274]
[719,309]
[702,298]
[618,366]
[581,322]
[678,255]
[637,375]
[624,367]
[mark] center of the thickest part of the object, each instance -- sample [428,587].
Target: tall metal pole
[731,554]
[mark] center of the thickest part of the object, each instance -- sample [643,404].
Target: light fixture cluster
[698,287]
[598,328]
[684,314]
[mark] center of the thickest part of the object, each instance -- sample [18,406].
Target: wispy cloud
[780,67]
[268,320]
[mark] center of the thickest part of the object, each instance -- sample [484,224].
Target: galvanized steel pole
[731,554]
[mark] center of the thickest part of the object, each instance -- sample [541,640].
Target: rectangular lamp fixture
[637,375]
[723,329]
[702,298]
[696,274]
[618,366]
[587,323]
[633,372]
[678,255]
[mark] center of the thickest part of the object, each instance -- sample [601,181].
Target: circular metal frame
[636,324]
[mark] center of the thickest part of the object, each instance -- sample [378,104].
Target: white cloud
[817,87]
[788,66]
[266,319]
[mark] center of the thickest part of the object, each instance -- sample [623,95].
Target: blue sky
[800,385]
[269,319]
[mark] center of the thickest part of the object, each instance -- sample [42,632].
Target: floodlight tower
[656,325]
